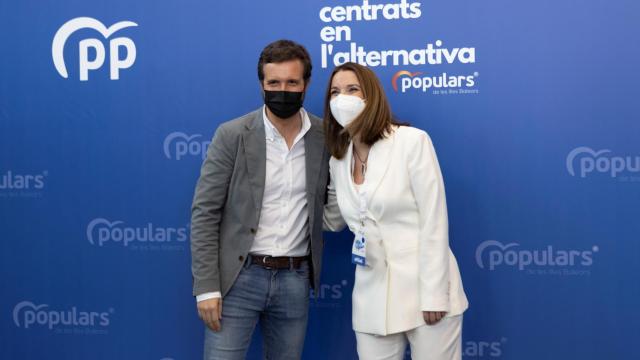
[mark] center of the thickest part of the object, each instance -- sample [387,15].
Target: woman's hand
[432,317]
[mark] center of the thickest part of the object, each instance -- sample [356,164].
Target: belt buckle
[264,262]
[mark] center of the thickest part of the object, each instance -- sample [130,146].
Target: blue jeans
[278,298]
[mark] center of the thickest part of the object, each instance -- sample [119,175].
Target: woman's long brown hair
[373,124]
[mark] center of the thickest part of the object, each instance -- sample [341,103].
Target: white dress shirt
[283,228]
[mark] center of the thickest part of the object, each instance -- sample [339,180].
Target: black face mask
[283,103]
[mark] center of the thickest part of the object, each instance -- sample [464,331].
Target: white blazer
[411,267]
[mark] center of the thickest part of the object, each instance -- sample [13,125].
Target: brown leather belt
[278,262]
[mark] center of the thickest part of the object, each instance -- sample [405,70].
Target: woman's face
[346,82]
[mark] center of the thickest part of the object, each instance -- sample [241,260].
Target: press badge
[359,250]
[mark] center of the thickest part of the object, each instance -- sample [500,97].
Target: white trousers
[442,341]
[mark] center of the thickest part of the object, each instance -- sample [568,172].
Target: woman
[391,195]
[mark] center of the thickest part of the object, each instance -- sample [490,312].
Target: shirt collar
[271,132]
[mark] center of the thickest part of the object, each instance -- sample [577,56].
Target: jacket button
[253,231]
[241,258]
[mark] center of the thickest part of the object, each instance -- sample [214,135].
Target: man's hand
[432,317]
[210,311]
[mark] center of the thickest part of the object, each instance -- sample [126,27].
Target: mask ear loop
[304,91]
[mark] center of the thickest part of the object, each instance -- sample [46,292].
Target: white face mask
[345,108]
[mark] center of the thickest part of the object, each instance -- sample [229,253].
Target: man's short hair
[281,51]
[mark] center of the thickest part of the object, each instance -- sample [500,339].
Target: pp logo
[178,145]
[117,60]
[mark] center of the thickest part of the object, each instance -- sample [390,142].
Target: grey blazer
[228,199]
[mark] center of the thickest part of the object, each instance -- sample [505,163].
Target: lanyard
[362,198]
[362,210]
[359,249]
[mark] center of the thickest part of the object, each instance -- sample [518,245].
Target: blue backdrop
[106,110]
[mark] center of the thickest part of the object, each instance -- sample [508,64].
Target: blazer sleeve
[332,218]
[433,249]
[206,212]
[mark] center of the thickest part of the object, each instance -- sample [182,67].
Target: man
[256,227]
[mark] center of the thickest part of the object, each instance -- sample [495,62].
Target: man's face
[284,76]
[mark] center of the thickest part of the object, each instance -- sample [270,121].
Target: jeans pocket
[302,271]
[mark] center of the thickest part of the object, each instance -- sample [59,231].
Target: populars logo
[481,349]
[583,161]
[492,254]
[409,80]
[330,291]
[27,315]
[329,295]
[14,181]
[478,349]
[101,231]
[178,145]
[117,62]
